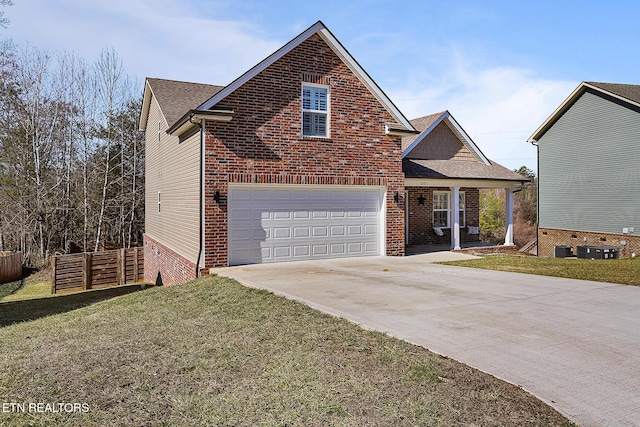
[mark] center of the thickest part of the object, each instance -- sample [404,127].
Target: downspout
[537,195]
[201,194]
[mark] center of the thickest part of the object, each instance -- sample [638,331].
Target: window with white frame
[441,209]
[461,209]
[315,110]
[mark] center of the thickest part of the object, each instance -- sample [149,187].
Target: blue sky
[500,67]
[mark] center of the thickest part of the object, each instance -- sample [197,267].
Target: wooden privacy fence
[96,270]
[10,266]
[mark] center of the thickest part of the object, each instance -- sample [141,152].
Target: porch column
[455,218]
[508,235]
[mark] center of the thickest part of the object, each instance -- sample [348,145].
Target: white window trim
[463,209]
[327,112]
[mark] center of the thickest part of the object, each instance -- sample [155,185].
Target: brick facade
[420,216]
[549,238]
[164,266]
[263,143]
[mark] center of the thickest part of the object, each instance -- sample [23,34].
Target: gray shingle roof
[421,124]
[458,169]
[630,92]
[176,98]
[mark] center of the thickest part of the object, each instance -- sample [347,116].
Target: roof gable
[428,124]
[627,94]
[338,49]
[174,98]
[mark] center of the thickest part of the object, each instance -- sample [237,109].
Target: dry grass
[212,352]
[624,271]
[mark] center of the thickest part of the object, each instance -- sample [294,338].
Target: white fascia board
[420,137]
[346,57]
[542,129]
[146,104]
[231,87]
[613,95]
[461,182]
[469,142]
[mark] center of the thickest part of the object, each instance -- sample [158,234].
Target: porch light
[421,199]
[216,196]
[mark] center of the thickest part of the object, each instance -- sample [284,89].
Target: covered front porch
[444,213]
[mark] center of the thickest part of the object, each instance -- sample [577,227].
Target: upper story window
[315,110]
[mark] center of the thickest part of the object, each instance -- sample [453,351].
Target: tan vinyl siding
[441,144]
[173,169]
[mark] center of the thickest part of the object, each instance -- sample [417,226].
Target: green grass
[9,288]
[625,271]
[212,352]
[32,299]
[37,285]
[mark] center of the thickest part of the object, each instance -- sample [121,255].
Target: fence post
[135,264]
[54,261]
[86,271]
[121,272]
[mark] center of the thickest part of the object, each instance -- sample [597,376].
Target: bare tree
[4,21]
[71,156]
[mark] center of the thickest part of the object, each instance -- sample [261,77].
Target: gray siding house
[589,170]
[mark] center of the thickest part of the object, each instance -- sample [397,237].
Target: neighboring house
[299,158]
[442,166]
[589,170]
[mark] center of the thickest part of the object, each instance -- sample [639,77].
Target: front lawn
[624,271]
[213,352]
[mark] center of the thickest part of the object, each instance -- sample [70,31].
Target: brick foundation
[548,238]
[164,266]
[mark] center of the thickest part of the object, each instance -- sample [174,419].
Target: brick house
[444,171]
[589,179]
[299,158]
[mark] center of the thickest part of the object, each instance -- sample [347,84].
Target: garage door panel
[354,248]
[337,230]
[282,215]
[280,224]
[320,250]
[337,249]
[302,251]
[281,232]
[281,252]
[354,230]
[300,232]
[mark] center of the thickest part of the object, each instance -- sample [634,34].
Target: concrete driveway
[574,344]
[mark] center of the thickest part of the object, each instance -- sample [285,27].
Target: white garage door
[284,223]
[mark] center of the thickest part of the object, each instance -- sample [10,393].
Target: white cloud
[156,38]
[498,107]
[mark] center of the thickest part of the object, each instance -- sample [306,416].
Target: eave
[463,182]
[338,49]
[146,104]
[395,129]
[193,117]
[568,103]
